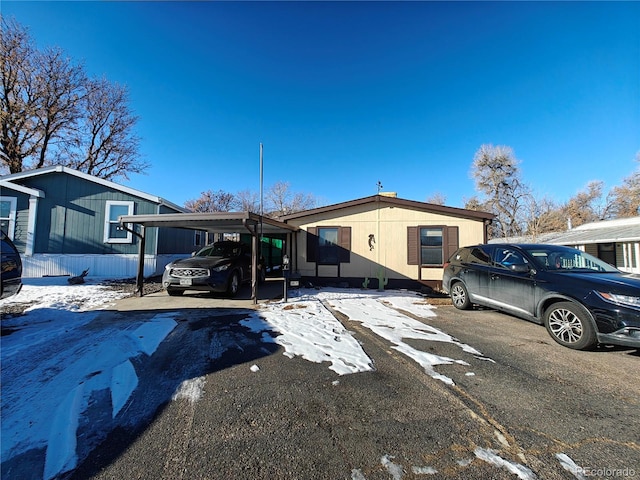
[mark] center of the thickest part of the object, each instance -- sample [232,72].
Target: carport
[219,222]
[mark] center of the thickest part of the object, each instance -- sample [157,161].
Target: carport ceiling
[219,222]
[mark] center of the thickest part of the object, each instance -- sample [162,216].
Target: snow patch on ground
[491,456]
[307,329]
[55,361]
[570,466]
[372,310]
[190,390]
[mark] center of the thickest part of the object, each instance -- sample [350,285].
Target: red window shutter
[344,239]
[413,247]
[312,244]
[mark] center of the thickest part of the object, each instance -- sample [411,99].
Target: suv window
[506,257]
[479,256]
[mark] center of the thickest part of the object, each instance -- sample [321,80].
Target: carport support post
[254,268]
[141,244]
[140,275]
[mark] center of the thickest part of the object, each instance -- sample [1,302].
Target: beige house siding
[389,223]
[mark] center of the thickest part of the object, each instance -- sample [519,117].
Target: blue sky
[343,94]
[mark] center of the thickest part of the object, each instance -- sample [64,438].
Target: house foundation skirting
[106,266]
[359,282]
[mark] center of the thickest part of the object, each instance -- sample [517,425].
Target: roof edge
[430,207]
[91,178]
[34,192]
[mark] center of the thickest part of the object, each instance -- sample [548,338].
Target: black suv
[581,300]
[11,267]
[220,267]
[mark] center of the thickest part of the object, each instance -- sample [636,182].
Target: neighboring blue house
[64,221]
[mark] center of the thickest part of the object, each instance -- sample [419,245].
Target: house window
[431,246]
[8,215]
[112,231]
[328,245]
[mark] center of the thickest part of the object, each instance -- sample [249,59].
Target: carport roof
[220,222]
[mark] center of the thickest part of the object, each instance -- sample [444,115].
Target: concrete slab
[271,290]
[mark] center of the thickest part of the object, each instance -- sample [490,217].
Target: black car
[11,267]
[581,300]
[221,267]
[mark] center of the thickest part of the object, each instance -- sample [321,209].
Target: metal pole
[141,249]
[261,192]
[257,243]
[140,276]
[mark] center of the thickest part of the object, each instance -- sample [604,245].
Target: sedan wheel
[234,284]
[460,296]
[569,325]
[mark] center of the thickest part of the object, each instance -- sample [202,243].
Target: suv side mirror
[520,268]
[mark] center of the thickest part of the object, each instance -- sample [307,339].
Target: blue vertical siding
[70,219]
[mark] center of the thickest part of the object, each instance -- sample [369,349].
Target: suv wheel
[569,325]
[460,296]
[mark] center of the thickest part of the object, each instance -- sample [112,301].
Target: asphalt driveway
[528,409]
[217,399]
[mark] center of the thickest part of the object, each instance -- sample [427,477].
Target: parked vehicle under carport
[221,267]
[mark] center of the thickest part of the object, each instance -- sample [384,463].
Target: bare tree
[108,147]
[497,176]
[473,203]
[211,201]
[53,114]
[544,216]
[624,200]
[585,206]
[62,87]
[281,200]
[246,200]
[438,198]
[19,98]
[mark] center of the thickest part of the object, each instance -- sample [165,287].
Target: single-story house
[374,242]
[617,242]
[64,221]
[381,241]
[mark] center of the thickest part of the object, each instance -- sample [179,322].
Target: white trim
[34,192]
[108,222]
[13,201]
[31,226]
